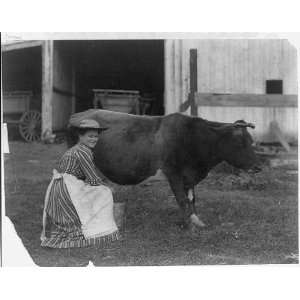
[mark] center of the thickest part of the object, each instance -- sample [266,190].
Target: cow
[184,148]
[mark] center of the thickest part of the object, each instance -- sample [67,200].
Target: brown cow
[185,148]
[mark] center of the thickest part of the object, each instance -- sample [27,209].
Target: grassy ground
[251,219]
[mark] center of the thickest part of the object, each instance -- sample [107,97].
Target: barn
[217,79]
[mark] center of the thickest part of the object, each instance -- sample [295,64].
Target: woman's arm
[88,167]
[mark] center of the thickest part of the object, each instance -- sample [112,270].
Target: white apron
[93,204]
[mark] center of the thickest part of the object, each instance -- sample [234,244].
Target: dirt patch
[251,218]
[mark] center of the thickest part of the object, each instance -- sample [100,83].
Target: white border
[215,282]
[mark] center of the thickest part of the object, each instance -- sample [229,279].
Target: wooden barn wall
[234,67]
[62,102]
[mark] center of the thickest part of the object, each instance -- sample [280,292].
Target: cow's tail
[72,136]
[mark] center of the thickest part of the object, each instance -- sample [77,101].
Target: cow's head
[235,145]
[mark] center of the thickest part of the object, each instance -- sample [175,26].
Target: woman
[78,210]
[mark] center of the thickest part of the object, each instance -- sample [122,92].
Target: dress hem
[81,243]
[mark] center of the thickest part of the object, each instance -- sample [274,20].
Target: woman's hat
[89,123]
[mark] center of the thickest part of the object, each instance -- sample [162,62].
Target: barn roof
[14,45]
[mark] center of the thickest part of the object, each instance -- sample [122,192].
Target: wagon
[18,109]
[126,101]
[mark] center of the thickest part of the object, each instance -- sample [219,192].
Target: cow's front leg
[192,199]
[187,206]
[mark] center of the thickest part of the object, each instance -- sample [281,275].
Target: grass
[252,219]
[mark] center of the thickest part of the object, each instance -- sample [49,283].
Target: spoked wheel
[30,126]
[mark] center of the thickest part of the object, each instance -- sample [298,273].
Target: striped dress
[63,226]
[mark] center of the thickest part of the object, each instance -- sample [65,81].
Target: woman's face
[89,138]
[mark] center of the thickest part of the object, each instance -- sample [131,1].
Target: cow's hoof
[196,221]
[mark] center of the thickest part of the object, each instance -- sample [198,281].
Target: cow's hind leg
[187,206]
[177,187]
[192,199]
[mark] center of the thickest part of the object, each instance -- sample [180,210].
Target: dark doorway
[120,64]
[21,86]
[22,70]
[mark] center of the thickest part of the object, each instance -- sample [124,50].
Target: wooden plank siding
[261,110]
[246,100]
[243,66]
[239,67]
[287,118]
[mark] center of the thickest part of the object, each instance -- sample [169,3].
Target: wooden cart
[117,100]
[17,110]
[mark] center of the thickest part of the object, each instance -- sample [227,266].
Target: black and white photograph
[150,150]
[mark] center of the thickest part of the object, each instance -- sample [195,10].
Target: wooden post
[169,80]
[47,87]
[193,81]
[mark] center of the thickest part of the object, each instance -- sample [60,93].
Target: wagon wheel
[30,126]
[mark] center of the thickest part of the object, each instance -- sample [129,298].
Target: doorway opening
[119,65]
